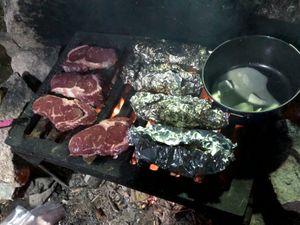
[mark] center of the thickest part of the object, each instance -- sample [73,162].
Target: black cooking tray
[50,146]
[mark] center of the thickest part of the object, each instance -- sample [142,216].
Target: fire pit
[36,140]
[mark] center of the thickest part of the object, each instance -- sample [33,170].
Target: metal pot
[278,61]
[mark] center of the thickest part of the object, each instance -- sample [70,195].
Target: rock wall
[24,45]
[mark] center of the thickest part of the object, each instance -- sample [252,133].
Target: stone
[2,23]
[37,62]
[6,159]
[5,67]
[292,206]
[6,191]
[15,25]
[286,10]
[257,219]
[7,179]
[16,96]
[92,182]
[40,190]
[23,44]
[9,44]
[286,179]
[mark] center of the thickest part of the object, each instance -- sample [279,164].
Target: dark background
[207,22]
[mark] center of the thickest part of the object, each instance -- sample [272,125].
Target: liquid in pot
[251,89]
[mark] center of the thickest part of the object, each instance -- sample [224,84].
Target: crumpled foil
[169,79]
[183,111]
[192,152]
[163,51]
[165,67]
[203,140]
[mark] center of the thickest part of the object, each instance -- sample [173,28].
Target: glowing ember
[118,107]
[198,180]
[204,95]
[174,174]
[133,117]
[150,123]
[133,160]
[234,136]
[98,110]
[238,126]
[153,167]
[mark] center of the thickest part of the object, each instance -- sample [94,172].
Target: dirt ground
[107,203]
[113,204]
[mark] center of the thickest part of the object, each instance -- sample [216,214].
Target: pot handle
[237,115]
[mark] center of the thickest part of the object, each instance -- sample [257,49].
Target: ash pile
[88,200]
[103,202]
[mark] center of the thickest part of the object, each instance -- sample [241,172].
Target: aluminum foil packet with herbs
[163,51]
[178,111]
[164,78]
[187,152]
[165,67]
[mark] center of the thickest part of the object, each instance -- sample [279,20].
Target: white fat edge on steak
[91,65]
[76,148]
[84,62]
[108,123]
[74,67]
[70,92]
[74,50]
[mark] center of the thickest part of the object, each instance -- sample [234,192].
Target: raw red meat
[63,113]
[84,58]
[109,137]
[86,88]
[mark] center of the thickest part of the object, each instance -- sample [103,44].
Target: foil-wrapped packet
[151,52]
[169,79]
[178,111]
[165,67]
[187,152]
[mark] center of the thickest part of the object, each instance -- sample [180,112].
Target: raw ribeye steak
[109,137]
[63,113]
[86,88]
[84,58]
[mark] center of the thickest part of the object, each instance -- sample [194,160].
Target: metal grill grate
[35,138]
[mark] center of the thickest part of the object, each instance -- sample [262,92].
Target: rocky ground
[286,180]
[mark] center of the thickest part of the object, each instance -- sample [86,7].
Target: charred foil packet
[165,67]
[183,111]
[187,152]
